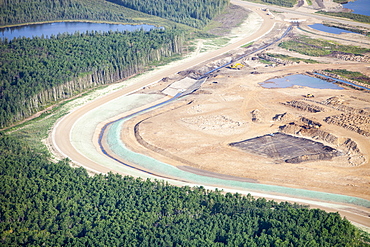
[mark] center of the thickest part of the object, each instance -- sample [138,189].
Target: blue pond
[327,29]
[361,7]
[49,29]
[299,80]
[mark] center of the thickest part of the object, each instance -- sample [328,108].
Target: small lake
[49,29]
[335,30]
[361,7]
[299,80]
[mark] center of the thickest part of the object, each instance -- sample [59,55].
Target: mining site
[234,126]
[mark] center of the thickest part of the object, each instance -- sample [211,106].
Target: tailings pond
[299,80]
[327,29]
[48,29]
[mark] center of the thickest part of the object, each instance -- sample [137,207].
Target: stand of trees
[38,71]
[194,13]
[49,204]
[23,11]
[284,3]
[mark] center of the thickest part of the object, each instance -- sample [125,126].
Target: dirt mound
[309,128]
[301,105]
[256,116]
[301,129]
[283,117]
[354,122]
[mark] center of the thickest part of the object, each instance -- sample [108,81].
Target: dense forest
[38,71]
[49,204]
[23,11]
[194,13]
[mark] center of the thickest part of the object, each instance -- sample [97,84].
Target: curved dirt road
[61,132]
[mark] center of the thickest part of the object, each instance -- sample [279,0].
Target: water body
[299,80]
[346,82]
[361,7]
[48,29]
[335,30]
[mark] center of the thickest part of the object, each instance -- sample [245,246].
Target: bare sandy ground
[228,102]
[200,132]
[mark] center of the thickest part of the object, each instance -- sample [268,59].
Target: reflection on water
[49,29]
[361,7]
[327,29]
[299,80]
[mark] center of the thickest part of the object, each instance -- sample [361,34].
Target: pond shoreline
[82,21]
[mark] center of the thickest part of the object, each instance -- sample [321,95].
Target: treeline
[36,72]
[194,13]
[352,16]
[283,3]
[24,11]
[46,204]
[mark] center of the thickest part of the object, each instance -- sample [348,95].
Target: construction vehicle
[236,66]
[309,95]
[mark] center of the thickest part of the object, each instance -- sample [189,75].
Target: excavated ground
[315,152]
[286,148]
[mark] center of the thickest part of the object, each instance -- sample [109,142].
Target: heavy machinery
[309,95]
[236,66]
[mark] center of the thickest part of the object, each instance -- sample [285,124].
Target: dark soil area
[288,148]
[230,18]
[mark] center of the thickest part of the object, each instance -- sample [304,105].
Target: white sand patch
[247,28]
[213,124]
[179,86]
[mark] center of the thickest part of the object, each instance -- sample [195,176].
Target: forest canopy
[49,204]
[194,13]
[39,71]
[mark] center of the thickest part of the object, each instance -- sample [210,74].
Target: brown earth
[198,134]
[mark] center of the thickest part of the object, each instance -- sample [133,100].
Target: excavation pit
[286,148]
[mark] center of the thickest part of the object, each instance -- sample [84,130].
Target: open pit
[224,128]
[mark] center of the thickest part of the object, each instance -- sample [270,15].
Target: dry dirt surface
[198,132]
